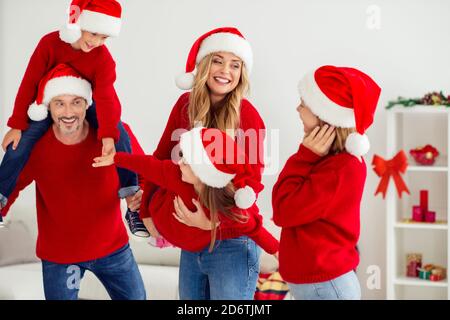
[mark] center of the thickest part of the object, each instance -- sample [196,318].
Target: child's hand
[103,161]
[13,135]
[320,140]
[196,219]
[148,223]
[108,146]
[134,201]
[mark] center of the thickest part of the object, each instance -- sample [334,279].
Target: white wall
[408,55]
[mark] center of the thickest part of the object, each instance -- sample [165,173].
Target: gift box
[413,263]
[417,214]
[438,273]
[424,274]
[430,216]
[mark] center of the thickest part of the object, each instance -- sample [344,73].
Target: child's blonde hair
[338,145]
[224,117]
[220,200]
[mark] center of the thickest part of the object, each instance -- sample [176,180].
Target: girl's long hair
[220,200]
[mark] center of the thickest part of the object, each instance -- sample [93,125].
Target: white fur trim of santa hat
[67,85]
[357,144]
[322,106]
[219,42]
[195,155]
[101,23]
[244,197]
[37,112]
[227,42]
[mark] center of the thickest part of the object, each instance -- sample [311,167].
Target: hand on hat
[196,219]
[320,140]
[12,136]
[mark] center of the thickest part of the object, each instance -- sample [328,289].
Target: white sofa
[21,275]
[21,278]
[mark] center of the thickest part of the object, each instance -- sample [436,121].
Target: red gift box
[430,216]
[417,214]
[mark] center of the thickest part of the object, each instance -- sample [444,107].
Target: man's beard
[68,129]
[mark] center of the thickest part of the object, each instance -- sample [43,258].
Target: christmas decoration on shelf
[387,168]
[425,155]
[413,263]
[430,272]
[421,213]
[430,99]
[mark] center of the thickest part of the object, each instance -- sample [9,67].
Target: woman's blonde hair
[338,145]
[220,200]
[224,116]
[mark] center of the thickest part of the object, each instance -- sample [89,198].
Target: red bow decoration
[387,168]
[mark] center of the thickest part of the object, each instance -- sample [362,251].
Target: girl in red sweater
[317,197]
[213,177]
[80,44]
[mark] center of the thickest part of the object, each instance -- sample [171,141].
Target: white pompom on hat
[343,97]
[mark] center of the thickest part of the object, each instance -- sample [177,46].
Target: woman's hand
[104,161]
[320,140]
[148,223]
[196,219]
[134,201]
[13,135]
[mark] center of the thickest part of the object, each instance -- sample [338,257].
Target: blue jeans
[345,287]
[229,272]
[118,272]
[14,160]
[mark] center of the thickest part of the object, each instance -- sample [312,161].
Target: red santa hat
[59,81]
[216,160]
[218,40]
[343,97]
[96,16]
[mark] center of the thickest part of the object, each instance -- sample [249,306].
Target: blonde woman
[222,59]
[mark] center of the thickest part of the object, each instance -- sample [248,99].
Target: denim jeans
[345,287]
[14,160]
[229,272]
[118,272]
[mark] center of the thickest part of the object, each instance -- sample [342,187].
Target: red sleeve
[164,149]
[26,95]
[105,97]
[301,196]
[254,229]
[163,173]
[26,177]
[255,134]
[135,149]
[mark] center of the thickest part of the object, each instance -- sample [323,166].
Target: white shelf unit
[431,237]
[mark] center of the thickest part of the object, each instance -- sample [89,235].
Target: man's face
[68,113]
